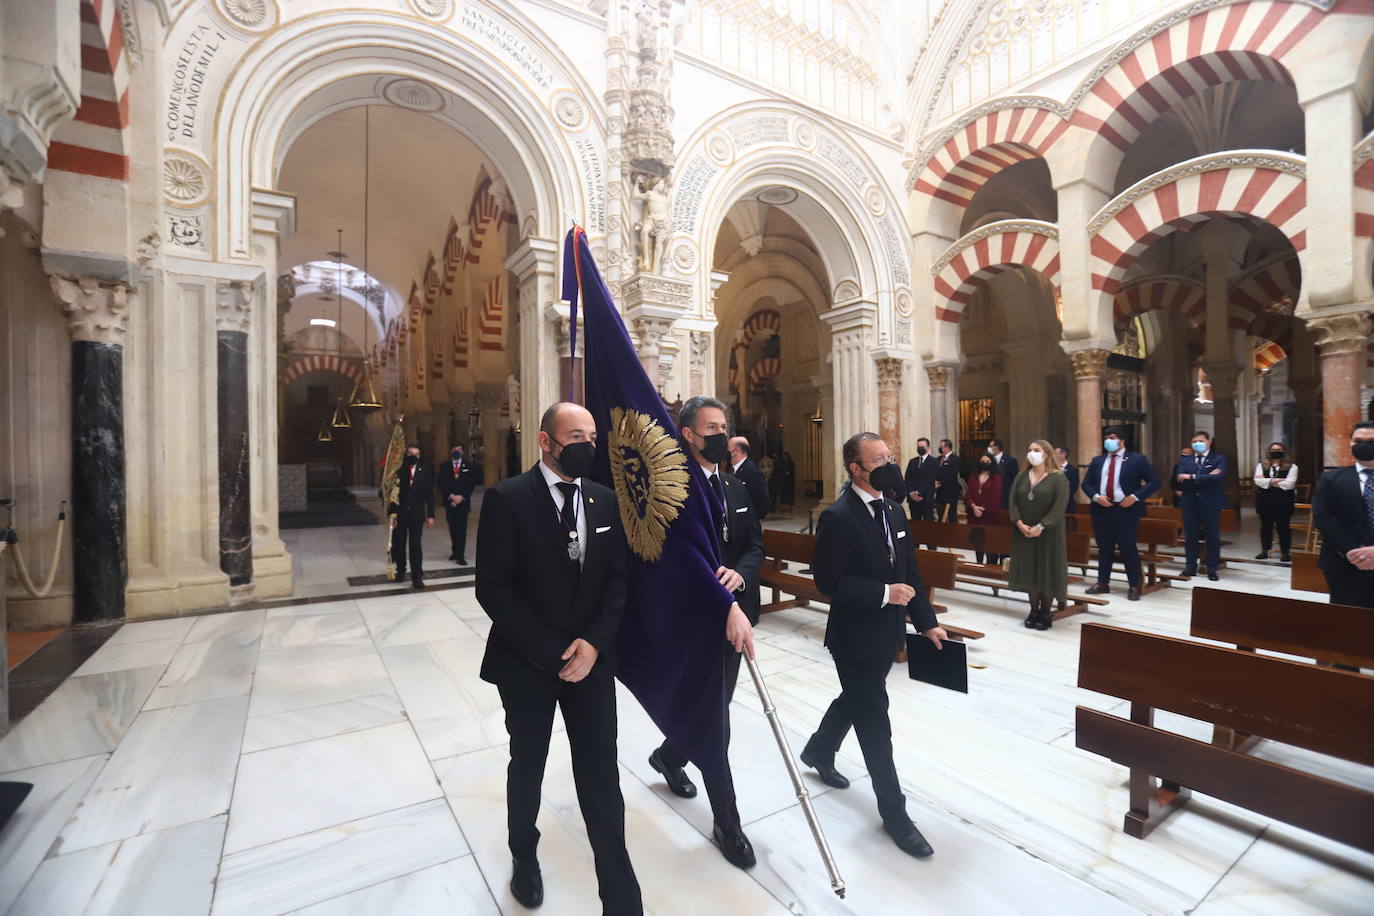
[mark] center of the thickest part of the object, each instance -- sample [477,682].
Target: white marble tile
[453,710]
[170,871]
[303,684]
[341,718]
[456,886]
[308,629]
[290,790]
[210,670]
[330,650]
[403,624]
[152,631]
[174,766]
[324,864]
[57,789]
[313,609]
[83,716]
[673,862]
[123,656]
[213,626]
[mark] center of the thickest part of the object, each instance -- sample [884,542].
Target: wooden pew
[1154,533]
[1319,709]
[783,547]
[997,539]
[1304,575]
[1330,634]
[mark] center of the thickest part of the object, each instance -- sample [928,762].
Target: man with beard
[414,513]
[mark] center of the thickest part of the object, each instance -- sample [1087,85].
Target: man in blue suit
[1118,483]
[1200,486]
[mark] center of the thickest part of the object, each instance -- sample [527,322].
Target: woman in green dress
[1039,563]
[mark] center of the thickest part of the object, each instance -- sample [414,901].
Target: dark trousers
[589,714]
[992,558]
[922,511]
[1268,523]
[944,510]
[1202,523]
[407,536]
[862,703]
[1114,529]
[1354,587]
[458,528]
[722,798]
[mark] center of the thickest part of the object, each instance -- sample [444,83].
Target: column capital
[650,329]
[533,256]
[96,311]
[1348,333]
[859,314]
[939,376]
[889,373]
[701,348]
[1222,376]
[274,213]
[233,305]
[1089,363]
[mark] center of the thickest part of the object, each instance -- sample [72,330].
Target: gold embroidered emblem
[651,479]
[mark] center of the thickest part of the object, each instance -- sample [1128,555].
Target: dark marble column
[235,506]
[97,318]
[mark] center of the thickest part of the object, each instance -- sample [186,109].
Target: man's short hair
[998,443]
[850,452]
[947,442]
[1204,434]
[546,423]
[687,416]
[1363,424]
[413,445]
[924,439]
[1064,449]
[742,444]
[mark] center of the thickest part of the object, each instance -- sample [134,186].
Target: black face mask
[920,450]
[1363,450]
[1276,455]
[576,458]
[715,448]
[412,460]
[457,455]
[887,478]
[985,465]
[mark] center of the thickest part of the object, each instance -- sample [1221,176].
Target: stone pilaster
[939,378]
[890,402]
[701,377]
[489,400]
[652,305]
[1088,366]
[1342,340]
[233,318]
[534,263]
[853,333]
[97,316]
[1223,377]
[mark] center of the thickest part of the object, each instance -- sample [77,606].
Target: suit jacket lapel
[865,518]
[544,507]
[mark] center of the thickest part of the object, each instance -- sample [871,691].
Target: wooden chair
[1319,709]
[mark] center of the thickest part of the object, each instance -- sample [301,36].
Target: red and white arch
[1270,187]
[321,362]
[1267,354]
[763,323]
[1161,293]
[95,142]
[491,325]
[1267,288]
[989,251]
[972,152]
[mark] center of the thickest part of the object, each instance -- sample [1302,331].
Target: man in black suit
[414,513]
[866,567]
[947,483]
[920,482]
[1200,491]
[743,467]
[1005,465]
[1118,482]
[705,429]
[1070,471]
[456,482]
[1343,509]
[551,575]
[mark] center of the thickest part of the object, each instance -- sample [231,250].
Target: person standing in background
[1039,559]
[1070,472]
[1343,511]
[920,482]
[1005,466]
[1201,488]
[983,501]
[414,513]
[787,470]
[947,480]
[1118,482]
[456,483]
[743,467]
[1276,477]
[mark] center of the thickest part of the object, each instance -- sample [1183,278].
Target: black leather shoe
[1133,593]
[734,845]
[1100,588]
[1043,621]
[911,842]
[462,561]
[829,775]
[676,777]
[1031,618]
[1212,574]
[1262,555]
[527,884]
[1285,559]
[417,582]
[1189,572]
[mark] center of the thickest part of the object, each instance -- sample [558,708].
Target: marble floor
[344,757]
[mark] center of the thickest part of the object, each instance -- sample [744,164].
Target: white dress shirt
[869,500]
[734,468]
[1283,483]
[552,480]
[1117,494]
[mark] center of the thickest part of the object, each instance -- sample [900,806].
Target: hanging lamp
[365,398]
[341,419]
[326,434]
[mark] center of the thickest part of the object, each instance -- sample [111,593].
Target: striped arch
[1267,288]
[1267,354]
[989,251]
[762,323]
[1238,41]
[491,325]
[95,142]
[965,156]
[1161,293]
[1270,187]
[328,363]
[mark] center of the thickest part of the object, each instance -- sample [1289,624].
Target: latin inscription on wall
[190,99]
[486,28]
[691,185]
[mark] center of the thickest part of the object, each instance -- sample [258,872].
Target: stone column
[1341,340]
[1027,366]
[702,376]
[853,329]
[1304,380]
[233,317]
[534,263]
[1223,378]
[96,316]
[650,330]
[890,402]
[1335,118]
[570,378]
[1088,366]
[489,400]
[939,377]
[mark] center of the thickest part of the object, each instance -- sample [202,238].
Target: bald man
[749,474]
[551,576]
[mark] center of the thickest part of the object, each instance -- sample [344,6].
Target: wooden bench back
[1306,576]
[784,545]
[1229,517]
[990,538]
[937,568]
[1312,629]
[1322,709]
[1154,532]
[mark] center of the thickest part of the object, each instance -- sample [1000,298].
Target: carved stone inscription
[593,180]
[691,185]
[758,130]
[186,85]
[487,27]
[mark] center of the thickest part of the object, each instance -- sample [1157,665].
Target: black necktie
[877,507]
[569,512]
[715,485]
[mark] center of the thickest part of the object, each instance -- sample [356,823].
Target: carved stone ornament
[149,247]
[233,305]
[720,149]
[1089,363]
[777,196]
[877,203]
[413,94]
[939,377]
[904,302]
[650,330]
[846,289]
[983,232]
[183,180]
[95,311]
[186,231]
[1341,333]
[431,8]
[249,13]
[889,373]
[701,349]
[805,132]
[684,256]
[569,111]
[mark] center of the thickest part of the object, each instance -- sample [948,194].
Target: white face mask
[1035,458]
[992,451]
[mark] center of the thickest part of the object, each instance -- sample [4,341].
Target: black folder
[944,667]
